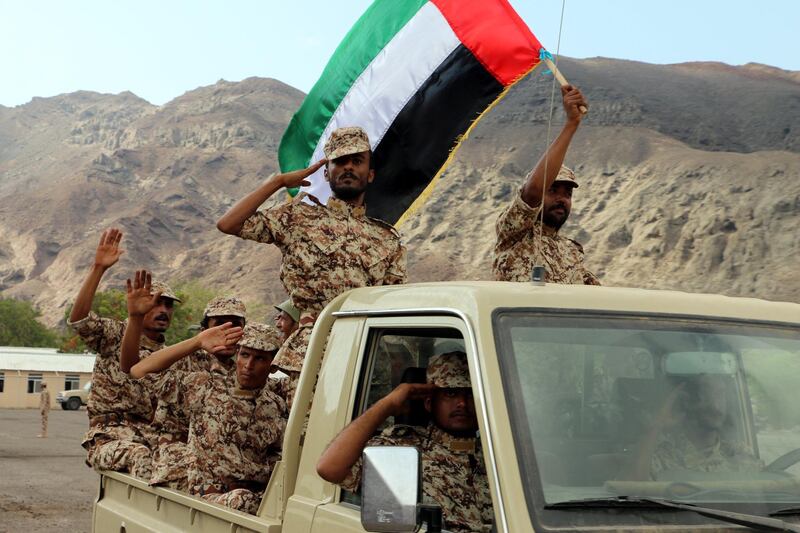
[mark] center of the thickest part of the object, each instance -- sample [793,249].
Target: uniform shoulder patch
[385,225]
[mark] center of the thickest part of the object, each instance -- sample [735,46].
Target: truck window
[683,408]
[394,356]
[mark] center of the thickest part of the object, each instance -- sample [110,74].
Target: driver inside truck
[691,433]
[453,471]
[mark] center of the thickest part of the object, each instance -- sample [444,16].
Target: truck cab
[599,409]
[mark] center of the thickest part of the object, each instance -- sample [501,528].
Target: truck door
[392,350]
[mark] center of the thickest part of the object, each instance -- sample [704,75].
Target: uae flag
[416,75]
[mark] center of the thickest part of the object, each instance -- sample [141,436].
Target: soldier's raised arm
[553,158]
[140,302]
[232,221]
[107,254]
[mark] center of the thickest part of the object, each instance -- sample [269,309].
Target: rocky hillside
[690,179]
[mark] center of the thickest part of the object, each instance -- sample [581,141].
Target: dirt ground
[45,486]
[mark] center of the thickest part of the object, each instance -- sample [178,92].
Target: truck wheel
[64,406]
[73,404]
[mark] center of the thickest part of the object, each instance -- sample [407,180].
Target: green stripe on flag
[370,34]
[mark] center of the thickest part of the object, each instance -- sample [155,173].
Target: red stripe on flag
[495,35]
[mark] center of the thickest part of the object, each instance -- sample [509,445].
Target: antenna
[539,273]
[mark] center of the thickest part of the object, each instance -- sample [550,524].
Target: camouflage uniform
[44,408]
[519,248]
[453,471]
[120,408]
[327,249]
[675,451]
[233,433]
[171,456]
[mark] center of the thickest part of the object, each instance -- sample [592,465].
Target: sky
[160,49]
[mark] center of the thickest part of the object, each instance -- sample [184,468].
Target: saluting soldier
[120,409]
[327,248]
[528,230]
[170,421]
[236,420]
[453,470]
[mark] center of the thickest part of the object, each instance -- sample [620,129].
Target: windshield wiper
[753,521]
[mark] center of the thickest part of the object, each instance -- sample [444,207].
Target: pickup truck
[72,400]
[568,382]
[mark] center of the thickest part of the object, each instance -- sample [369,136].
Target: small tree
[20,326]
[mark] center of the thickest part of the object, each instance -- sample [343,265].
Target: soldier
[689,433]
[170,424]
[44,409]
[236,420]
[287,318]
[527,231]
[453,472]
[120,408]
[326,248]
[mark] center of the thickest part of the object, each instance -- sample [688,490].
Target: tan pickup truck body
[413,318]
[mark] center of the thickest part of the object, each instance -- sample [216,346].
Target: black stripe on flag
[419,140]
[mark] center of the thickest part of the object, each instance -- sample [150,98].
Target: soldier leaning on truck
[453,471]
[236,420]
[120,409]
[327,248]
[523,240]
[170,421]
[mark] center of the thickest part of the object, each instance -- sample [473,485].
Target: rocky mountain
[689,180]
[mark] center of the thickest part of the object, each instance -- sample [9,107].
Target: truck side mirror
[390,488]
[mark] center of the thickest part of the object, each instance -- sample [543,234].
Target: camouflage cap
[225,306]
[449,370]
[566,175]
[261,337]
[346,141]
[165,290]
[289,309]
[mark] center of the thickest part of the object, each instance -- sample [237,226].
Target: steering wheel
[784,461]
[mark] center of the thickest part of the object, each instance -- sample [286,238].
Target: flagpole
[561,79]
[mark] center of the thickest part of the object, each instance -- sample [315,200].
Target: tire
[64,406]
[73,404]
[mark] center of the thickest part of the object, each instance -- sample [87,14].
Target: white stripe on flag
[388,83]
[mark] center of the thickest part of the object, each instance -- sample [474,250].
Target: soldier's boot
[240,499]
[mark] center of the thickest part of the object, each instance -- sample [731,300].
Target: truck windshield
[688,409]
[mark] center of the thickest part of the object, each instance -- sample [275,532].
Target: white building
[23,370]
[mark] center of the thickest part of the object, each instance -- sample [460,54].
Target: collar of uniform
[248,394]
[341,206]
[149,344]
[454,444]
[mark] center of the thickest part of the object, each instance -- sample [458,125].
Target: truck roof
[479,298]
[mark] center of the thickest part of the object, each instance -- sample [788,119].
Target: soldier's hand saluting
[232,221]
[297,178]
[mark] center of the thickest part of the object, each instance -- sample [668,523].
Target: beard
[350,191]
[555,220]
